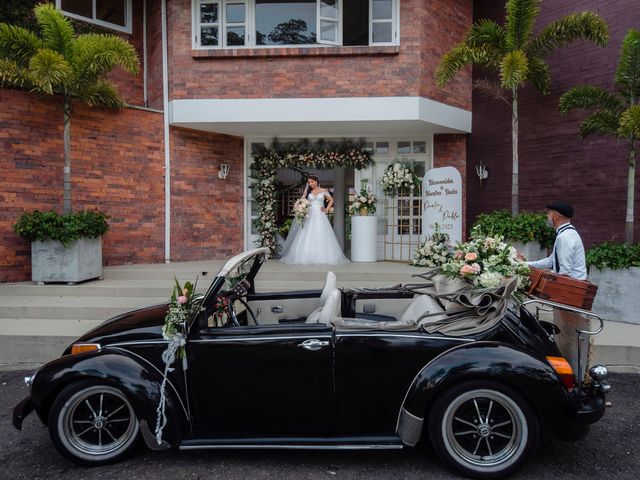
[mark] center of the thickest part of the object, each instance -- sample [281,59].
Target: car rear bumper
[21,411]
[577,426]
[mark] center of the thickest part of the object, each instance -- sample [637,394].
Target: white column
[338,205]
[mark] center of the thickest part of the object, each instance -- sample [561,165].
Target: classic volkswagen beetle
[320,369]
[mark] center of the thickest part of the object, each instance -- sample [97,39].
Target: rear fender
[531,376]
[139,380]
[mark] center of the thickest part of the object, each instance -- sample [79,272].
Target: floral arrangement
[301,210]
[181,307]
[434,252]
[398,177]
[485,262]
[305,154]
[365,199]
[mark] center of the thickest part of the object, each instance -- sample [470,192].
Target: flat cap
[563,208]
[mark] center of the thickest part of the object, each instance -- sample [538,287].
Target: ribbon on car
[176,342]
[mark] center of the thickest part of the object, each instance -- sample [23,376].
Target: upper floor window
[114,14]
[257,23]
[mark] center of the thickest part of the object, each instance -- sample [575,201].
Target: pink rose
[182,299]
[459,254]
[475,268]
[466,269]
[471,256]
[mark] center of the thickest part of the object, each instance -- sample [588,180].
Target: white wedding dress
[313,242]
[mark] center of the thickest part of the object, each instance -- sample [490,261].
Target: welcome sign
[442,202]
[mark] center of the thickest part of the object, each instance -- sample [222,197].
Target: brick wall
[207,216]
[554,162]
[451,151]
[427,29]
[116,166]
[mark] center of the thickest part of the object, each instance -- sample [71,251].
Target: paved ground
[610,451]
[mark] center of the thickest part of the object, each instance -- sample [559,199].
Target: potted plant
[64,248]
[615,268]
[364,204]
[527,232]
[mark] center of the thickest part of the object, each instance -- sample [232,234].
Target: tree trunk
[66,205]
[631,180]
[514,152]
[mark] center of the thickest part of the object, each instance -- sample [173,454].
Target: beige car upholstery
[329,285]
[287,308]
[329,311]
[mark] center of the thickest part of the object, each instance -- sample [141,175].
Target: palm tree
[617,113]
[59,62]
[517,56]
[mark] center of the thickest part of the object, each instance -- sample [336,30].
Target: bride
[313,242]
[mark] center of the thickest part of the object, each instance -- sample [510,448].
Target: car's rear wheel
[483,429]
[92,423]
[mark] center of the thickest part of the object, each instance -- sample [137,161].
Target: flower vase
[363,211]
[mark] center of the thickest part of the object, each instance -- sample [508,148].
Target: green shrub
[614,255]
[525,228]
[64,228]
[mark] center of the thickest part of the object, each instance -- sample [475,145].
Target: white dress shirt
[567,257]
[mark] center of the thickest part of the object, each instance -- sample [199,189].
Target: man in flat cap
[567,257]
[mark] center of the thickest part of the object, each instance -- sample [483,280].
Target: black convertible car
[385,368]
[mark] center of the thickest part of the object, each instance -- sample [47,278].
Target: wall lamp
[481,171]
[224,171]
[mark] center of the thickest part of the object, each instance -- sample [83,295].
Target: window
[263,23]
[114,14]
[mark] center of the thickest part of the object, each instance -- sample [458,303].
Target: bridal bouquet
[397,177]
[301,210]
[364,200]
[485,262]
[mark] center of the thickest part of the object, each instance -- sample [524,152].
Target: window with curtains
[268,23]
[114,14]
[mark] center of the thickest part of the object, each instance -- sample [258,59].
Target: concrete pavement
[38,322]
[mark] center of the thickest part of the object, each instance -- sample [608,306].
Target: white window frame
[224,24]
[128,16]
[394,20]
[339,25]
[249,25]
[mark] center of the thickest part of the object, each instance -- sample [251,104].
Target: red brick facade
[554,162]
[427,30]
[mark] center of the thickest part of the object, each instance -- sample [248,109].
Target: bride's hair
[307,189]
[313,177]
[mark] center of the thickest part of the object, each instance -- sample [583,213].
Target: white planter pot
[531,250]
[53,262]
[363,238]
[617,298]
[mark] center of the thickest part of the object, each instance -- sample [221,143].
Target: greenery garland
[320,154]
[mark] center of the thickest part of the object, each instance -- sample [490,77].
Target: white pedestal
[364,233]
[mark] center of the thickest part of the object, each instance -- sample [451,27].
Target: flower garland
[399,176]
[317,155]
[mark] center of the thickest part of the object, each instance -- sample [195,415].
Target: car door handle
[313,344]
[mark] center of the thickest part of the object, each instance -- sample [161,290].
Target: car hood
[137,325]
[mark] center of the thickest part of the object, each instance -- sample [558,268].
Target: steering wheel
[239,292]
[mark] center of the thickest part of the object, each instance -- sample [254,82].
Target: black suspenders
[556,263]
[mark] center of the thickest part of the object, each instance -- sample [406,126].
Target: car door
[267,380]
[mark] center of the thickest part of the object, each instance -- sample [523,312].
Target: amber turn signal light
[78,348]
[564,371]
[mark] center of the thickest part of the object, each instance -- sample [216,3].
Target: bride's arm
[330,204]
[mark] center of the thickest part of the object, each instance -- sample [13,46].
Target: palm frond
[514,69]
[540,75]
[491,89]
[97,54]
[519,20]
[102,93]
[459,57]
[577,26]
[587,97]
[18,43]
[487,34]
[57,31]
[13,75]
[602,122]
[50,71]
[630,123]
[628,72]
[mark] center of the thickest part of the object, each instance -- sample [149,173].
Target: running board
[296,443]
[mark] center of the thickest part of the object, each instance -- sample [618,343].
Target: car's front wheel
[483,429]
[92,423]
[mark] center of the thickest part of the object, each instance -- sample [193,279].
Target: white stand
[364,234]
